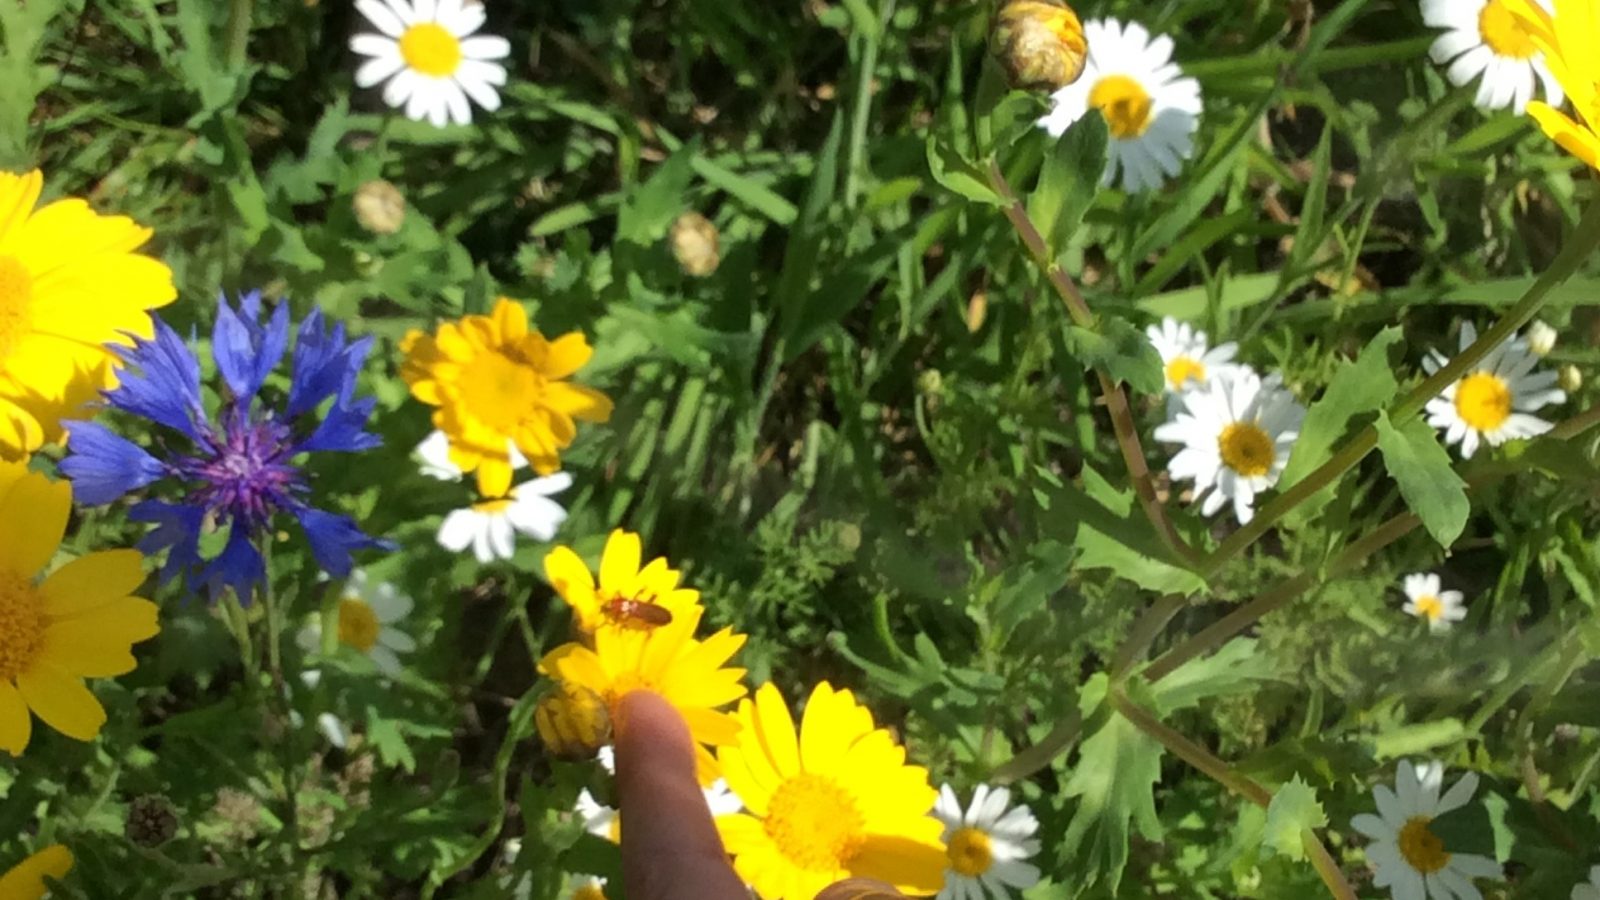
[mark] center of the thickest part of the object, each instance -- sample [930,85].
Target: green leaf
[747,190]
[651,207]
[958,174]
[1294,809]
[1114,783]
[1408,740]
[1120,350]
[1421,466]
[1234,669]
[1069,180]
[1100,522]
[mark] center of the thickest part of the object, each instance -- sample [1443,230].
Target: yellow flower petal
[26,880]
[16,723]
[92,581]
[18,195]
[62,701]
[33,518]
[620,561]
[1574,138]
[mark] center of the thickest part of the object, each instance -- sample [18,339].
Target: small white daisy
[602,821]
[987,846]
[490,526]
[1425,601]
[1409,858]
[367,615]
[1237,430]
[598,819]
[1588,890]
[1492,402]
[1483,37]
[586,887]
[429,56]
[1186,360]
[433,457]
[1151,109]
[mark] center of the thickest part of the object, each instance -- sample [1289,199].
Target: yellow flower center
[499,389]
[590,891]
[1183,369]
[1503,33]
[1125,104]
[430,49]
[21,625]
[1483,401]
[1430,607]
[970,853]
[16,290]
[1246,449]
[493,507]
[814,823]
[1422,848]
[358,624]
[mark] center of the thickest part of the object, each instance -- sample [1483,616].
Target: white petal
[381,17]
[486,46]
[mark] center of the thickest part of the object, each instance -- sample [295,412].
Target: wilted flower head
[240,469]
[379,207]
[696,244]
[1040,44]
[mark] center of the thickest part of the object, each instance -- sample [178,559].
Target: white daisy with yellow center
[586,887]
[1237,430]
[490,527]
[1493,402]
[1483,38]
[988,845]
[1409,858]
[1185,358]
[433,457]
[432,60]
[1152,110]
[365,620]
[603,821]
[1424,599]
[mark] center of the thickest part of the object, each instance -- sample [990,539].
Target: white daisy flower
[1185,359]
[433,457]
[987,846]
[1492,402]
[1483,37]
[1237,430]
[586,887]
[333,729]
[602,821]
[1425,601]
[1588,890]
[1409,858]
[1151,108]
[490,526]
[367,615]
[598,819]
[429,56]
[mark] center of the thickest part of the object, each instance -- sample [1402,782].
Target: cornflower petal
[104,466]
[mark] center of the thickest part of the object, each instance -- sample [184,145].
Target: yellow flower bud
[1040,44]
[380,207]
[696,244]
[573,722]
[1570,378]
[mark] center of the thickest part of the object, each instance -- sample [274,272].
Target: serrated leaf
[1120,350]
[958,174]
[1068,180]
[1421,466]
[1114,783]
[1293,810]
[1234,669]
[1101,524]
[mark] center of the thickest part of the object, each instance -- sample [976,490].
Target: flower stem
[1031,759]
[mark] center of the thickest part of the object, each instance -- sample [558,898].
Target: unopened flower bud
[1040,44]
[380,207]
[573,721]
[696,244]
[930,383]
[1570,378]
[1541,338]
[151,821]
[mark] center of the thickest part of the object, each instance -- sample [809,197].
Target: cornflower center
[814,823]
[970,852]
[500,389]
[1422,848]
[16,293]
[358,624]
[1429,607]
[21,625]
[248,475]
[1246,449]
[1183,369]
[1503,33]
[1125,104]
[1483,401]
[429,48]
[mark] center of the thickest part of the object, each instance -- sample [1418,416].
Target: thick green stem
[238,36]
[1031,759]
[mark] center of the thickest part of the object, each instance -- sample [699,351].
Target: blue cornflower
[240,469]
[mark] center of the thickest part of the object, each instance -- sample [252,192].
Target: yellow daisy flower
[79,622]
[625,590]
[496,383]
[836,801]
[668,660]
[70,284]
[1570,42]
[25,880]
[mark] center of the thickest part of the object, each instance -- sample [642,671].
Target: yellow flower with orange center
[626,596]
[1570,41]
[71,287]
[25,880]
[498,384]
[830,801]
[77,623]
